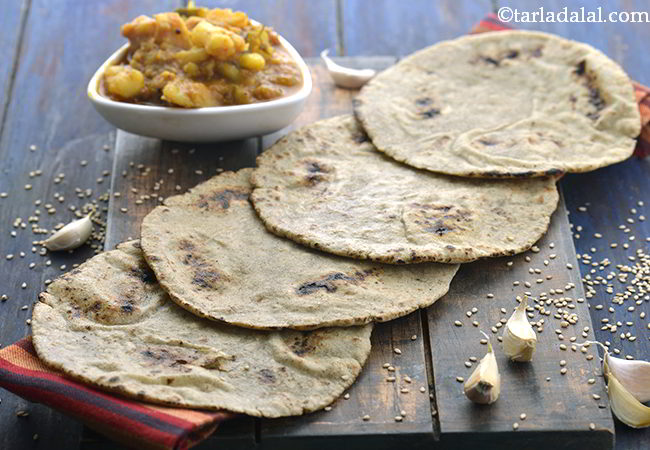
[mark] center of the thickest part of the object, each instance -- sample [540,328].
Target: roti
[108,323]
[214,257]
[327,187]
[506,104]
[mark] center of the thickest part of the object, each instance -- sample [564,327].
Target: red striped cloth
[492,23]
[132,423]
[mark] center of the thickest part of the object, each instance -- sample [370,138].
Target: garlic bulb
[70,236]
[624,405]
[484,385]
[633,375]
[344,76]
[519,339]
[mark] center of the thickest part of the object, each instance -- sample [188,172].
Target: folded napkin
[132,423]
[142,425]
[492,23]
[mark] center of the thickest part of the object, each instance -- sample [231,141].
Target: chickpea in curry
[201,57]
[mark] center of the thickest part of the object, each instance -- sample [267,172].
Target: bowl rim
[300,95]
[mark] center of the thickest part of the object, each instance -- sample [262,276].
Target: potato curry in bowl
[199,57]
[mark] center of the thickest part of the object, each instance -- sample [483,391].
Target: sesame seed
[346,396]
[592,426]
[398,418]
[397,351]
[563,370]
[423,389]
[460,379]
[414,337]
[596,396]
[328,408]
[458,323]
[522,416]
[366,418]
[404,390]
[515,426]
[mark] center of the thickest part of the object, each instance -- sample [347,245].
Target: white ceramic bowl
[212,124]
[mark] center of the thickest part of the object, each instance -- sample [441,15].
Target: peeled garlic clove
[519,338]
[625,407]
[344,76]
[484,385]
[70,236]
[633,375]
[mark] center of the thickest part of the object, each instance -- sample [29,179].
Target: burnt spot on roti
[316,172]
[490,60]
[536,52]
[267,376]
[304,344]
[144,274]
[424,101]
[222,198]
[595,98]
[185,245]
[329,282]
[441,219]
[127,307]
[113,379]
[205,277]
[512,54]
[314,167]
[487,142]
[430,113]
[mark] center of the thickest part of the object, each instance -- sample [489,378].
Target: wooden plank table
[44,85]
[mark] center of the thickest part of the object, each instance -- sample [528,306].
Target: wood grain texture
[559,408]
[11,24]
[400,28]
[48,108]
[609,195]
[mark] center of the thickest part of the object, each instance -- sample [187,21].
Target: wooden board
[610,194]
[12,25]
[559,408]
[400,29]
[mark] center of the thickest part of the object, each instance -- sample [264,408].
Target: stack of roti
[256,291]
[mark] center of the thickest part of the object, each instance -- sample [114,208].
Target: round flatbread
[214,257]
[109,323]
[325,186]
[506,104]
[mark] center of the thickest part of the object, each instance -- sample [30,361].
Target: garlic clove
[633,375]
[346,77]
[519,339]
[70,236]
[484,384]
[625,407]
